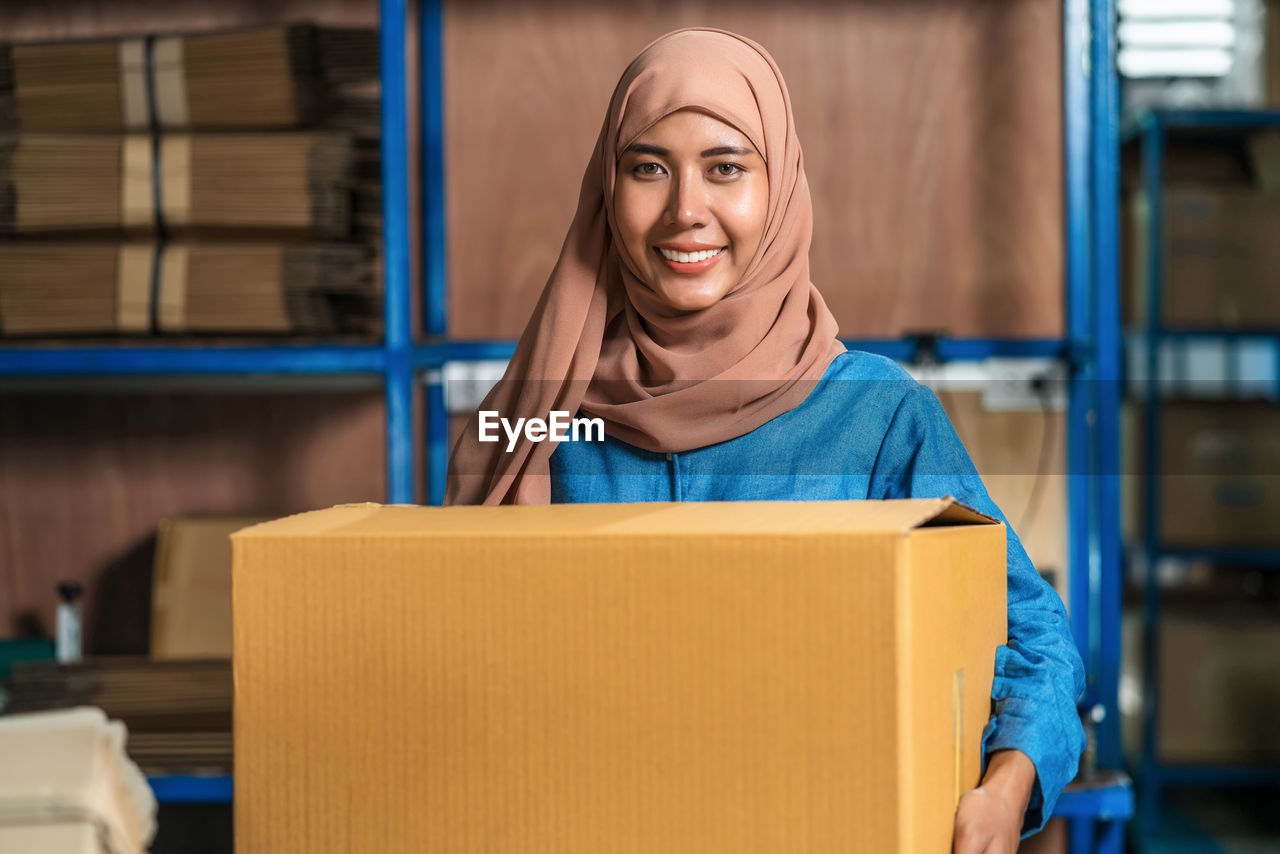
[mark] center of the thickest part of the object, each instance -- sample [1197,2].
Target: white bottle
[68,646]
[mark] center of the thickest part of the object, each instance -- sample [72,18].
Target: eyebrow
[644,148]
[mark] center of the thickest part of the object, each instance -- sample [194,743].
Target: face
[690,201]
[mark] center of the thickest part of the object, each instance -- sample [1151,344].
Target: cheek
[747,216]
[632,215]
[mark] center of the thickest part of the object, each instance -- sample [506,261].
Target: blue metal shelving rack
[1150,132]
[392,360]
[1090,347]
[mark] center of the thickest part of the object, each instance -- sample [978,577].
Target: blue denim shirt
[868,430]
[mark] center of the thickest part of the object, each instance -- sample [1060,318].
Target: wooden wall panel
[84,478]
[1018,459]
[932,136]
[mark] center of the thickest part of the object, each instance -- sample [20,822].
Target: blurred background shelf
[1203,358]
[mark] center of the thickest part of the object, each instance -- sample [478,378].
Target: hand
[989,818]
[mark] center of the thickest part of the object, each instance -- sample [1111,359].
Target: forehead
[692,130]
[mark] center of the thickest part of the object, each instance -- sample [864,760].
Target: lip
[692,266]
[688,247]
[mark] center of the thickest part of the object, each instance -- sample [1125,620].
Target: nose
[687,205]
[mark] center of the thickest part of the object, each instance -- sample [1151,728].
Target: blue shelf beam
[1219,776]
[1105,803]
[191,789]
[1148,121]
[138,360]
[906,349]
[1255,558]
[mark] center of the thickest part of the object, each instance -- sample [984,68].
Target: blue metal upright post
[1076,124]
[398,334]
[1105,91]
[434,239]
[1152,177]
[432,166]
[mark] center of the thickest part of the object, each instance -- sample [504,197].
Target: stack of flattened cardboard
[646,677]
[290,182]
[51,288]
[246,136]
[179,712]
[66,786]
[270,77]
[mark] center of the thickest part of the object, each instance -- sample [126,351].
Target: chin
[685,299]
[690,302]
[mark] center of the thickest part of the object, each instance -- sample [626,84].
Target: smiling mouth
[689,262]
[688,257]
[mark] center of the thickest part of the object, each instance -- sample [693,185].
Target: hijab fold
[601,344]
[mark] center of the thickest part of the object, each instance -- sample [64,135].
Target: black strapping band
[157,189]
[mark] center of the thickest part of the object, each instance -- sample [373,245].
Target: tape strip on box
[133,287]
[173,288]
[170,83]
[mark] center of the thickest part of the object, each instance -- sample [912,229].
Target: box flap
[734,517]
[955,513]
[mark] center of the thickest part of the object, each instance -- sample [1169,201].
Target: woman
[681,315]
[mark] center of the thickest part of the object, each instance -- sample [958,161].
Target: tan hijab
[601,343]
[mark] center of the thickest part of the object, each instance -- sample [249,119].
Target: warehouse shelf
[1158,354]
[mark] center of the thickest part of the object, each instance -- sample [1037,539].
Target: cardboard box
[1220,474]
[1221,257]
[741,677]
[1219,686]
[191,586]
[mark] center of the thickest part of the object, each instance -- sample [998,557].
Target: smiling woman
[682,316]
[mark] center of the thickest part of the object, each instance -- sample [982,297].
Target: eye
[647,169]
[727,170]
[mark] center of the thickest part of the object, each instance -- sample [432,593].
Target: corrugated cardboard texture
[703,677]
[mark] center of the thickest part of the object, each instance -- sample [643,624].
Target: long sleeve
[1038,672]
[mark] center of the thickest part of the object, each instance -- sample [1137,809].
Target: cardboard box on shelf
[703,677]
[1219,260]
[1219,685]
[191,586]
[1220,474]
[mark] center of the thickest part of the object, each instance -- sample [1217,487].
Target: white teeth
[689,257]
